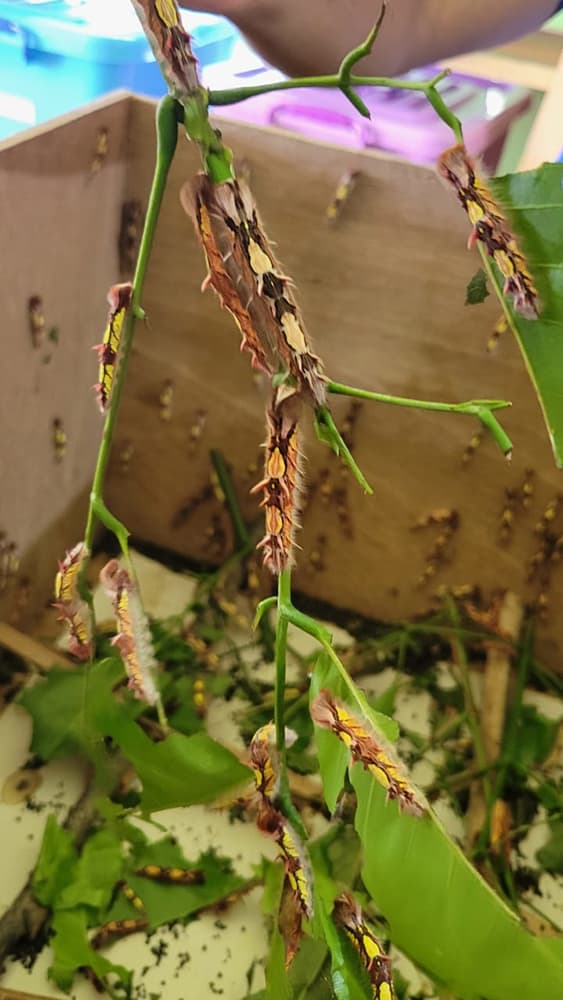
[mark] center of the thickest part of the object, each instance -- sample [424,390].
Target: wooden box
[383,293]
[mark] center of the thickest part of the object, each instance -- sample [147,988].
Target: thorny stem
[167,135]
[480,408]
[220,98]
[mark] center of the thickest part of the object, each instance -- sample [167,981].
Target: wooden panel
[58,240]
[383,293]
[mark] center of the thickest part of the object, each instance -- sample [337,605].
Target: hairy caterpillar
[343,191]
[245,274]
[377,964]
[117,928]
[366,749]
[264,763]
[130,894]
[176,876]
[74,610]
[170,45]
[490,228]
[37,323]
[133,639]
[281,486]
[119,298]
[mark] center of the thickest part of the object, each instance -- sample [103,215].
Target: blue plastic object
[56,56]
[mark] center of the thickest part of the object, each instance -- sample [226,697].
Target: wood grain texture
[58,240]
[383,297]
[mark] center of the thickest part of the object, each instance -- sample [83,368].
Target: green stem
[218,98]
[328,432]
[480,408]
[460,658]
[283,600]
[167,135]
[242,538]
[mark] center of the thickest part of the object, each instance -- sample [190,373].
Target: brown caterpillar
[250,283]
[377,964]
[490,228]
[37,323]
[119,298]
[134,638]
[117,928]
[74,610]
[366,749]
[170,45]
[281,486]
[176,876]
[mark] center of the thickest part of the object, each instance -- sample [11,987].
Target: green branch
[220,98]
[480,408]
[167,135]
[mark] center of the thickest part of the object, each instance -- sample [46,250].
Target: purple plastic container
[402,121]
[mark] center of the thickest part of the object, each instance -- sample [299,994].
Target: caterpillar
[118,928]
[281,486]
[37,323]
[348,915]
[176,876]
[101,150]
[343,191]
[119,299]
[264,763]
[130,894]
[292,853]
[490,228]
[250,283]
[170,45]
[166,399]
[59,439]
[366,749]
[133,639]
[74,610]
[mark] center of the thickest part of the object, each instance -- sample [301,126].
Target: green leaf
[99,868]
[278,986]
[534,204]
[71,951]
[65,705]
[550,856]
[181,770]
[440,911]
[477,290]
[55,866]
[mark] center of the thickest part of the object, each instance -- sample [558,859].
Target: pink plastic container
[402,121]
